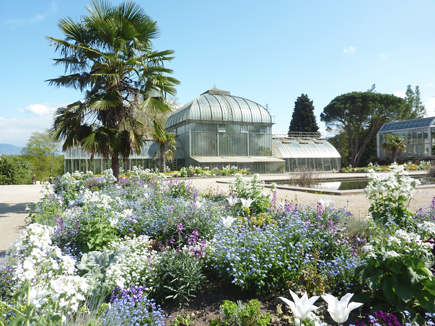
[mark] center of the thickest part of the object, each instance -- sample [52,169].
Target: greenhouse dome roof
[216,105]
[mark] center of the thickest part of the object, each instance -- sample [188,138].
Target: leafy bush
[178,277]
[397,272]
[241,314]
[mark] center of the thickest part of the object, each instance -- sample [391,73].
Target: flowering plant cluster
[50,276]
[131,307]
[423,165]
[153,237]
[390,195]
[248,195]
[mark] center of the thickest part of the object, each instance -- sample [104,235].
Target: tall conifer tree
[303,118]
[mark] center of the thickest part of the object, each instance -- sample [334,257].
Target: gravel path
[13,201]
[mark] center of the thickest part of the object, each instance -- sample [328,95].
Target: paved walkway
[13,200]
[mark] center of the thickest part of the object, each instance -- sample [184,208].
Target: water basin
[344,184]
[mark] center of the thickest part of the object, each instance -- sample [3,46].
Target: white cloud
[349,50]
[383,56]
[430,84]
[33,20]
[38,109]
[401,94]
[430,106]
[17,131]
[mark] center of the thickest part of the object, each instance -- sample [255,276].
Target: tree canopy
[14,170]
[41,148]
[109,56]
[360,115]
[414,101]
[303,118]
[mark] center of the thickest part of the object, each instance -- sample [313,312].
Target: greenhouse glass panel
[236,109]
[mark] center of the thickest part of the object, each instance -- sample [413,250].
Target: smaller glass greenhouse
[419,136]
[305,150]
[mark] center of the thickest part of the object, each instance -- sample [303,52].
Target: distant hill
[7,149]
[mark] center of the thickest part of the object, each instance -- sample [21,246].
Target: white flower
[339,310]
[246,202]
[367,248]
[301,307]
[232,200]
[325,202]
[391,253]
[228,221]
[113,221]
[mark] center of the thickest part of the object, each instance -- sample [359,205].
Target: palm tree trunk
[115,166]
[162,158]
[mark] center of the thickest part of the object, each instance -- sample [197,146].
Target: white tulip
[301,307]
[228,221]
[246,202]
[232,200]
[340,310]
[325,202]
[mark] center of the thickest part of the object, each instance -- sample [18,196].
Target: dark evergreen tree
[303,118]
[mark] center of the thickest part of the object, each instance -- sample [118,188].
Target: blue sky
[269,52]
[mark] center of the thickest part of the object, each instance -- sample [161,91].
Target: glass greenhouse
[217,129]
[77,160]
[306,150]
[419,136]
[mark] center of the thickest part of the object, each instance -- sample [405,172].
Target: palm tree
[109,56]
[395,144]
[166,142]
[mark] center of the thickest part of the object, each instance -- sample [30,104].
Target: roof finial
[214,86]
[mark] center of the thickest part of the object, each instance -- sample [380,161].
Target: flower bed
[386,168]
[189,172]
[97,252]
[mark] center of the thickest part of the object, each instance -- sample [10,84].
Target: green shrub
[178,277]
[241,314]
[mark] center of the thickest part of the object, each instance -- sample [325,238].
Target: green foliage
[182,320]
[14,170]
[310,279]
[178,276]
[395,144]
[45,211]
[95,234]
[414,102]
[303,118]
[41,151]
[241,314]
[27,313]
[360,115]
[398,279]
